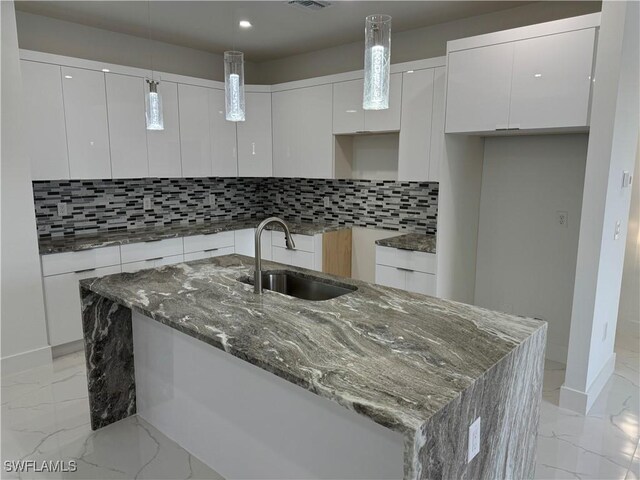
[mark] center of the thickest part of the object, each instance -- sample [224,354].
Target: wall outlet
[616,232]
[212,199]
[146,203]
[474,440]
[562,218]
[62,209]
[327,202]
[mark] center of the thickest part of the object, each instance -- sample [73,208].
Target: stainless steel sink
[302,286]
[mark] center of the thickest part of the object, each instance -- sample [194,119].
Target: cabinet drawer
[303,242]
[408,259]
[215,252]
[198,243]
[390,276]
[62,303]
[297,258]
[67,262]
[419,282]
[135,252]
[152,263]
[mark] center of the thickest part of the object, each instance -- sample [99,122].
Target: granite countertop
[419,242]
[390,355]
[74,243]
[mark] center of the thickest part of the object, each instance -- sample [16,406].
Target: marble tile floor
[45,416]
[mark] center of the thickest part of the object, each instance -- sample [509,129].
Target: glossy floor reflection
[45,416]
[604,444]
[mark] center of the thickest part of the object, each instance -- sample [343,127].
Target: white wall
[629,311]
[426,42]
[613,143]
[45,34]
[526,261]
[23,327]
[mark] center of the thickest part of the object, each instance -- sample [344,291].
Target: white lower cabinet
[307,254]
[197,247]
[152,263]
[245,243]
[209,253]
[406,269]
[61,274]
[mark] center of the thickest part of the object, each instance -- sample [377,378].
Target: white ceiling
[279,30]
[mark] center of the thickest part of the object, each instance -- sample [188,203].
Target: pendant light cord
[149,38]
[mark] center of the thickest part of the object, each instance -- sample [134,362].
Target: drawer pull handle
[85,270]
[152,241]
[211,249]
[154,259]
[404,269]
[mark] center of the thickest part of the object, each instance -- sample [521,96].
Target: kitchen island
[414,371]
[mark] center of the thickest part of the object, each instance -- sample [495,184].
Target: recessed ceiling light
[68,76]
[409,71]
[245,24]
[106,70]
[537,75]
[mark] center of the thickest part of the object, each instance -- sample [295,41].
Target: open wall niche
[371,156]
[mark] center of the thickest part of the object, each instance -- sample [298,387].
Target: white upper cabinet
[437,124]
[552,80]
[302,132]
[195,131]
[386,120]
[350,117]
[85,107]
[254,137]
[44,115]
[224,153]
[540,82]
[415,136]
[479,88]
[127,126]
[164,145]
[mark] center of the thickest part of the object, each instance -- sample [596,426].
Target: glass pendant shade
[234,86]
[153,107]
[377,62]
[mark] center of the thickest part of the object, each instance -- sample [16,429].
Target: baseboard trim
[582,402]
[26,360]
[67,348]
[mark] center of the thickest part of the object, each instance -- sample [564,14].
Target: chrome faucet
[257,275]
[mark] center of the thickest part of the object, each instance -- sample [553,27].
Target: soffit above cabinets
[278,30]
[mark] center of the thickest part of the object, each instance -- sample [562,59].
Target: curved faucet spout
[257,275]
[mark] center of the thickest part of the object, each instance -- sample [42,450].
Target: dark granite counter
[74,243]
[418,242]
[418,365]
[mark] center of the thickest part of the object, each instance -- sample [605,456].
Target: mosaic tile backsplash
[106,205]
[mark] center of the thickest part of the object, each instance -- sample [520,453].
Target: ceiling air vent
[310,5]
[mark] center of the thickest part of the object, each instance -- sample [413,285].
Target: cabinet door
[437,125]
[386,120]
[195,131]
[415,134]
[390,277]
[348,115]
[552,80]
[419,282]
[44,115]
[479,88]
[85,107]
[302,132]
[254,137]
[224,154]
[164,145]
[127,126]
[62,303]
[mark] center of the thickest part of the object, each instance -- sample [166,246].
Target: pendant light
[234,86]
[152,99]
[377,62]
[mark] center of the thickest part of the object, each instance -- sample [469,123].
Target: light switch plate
[212,199]
[62,209]
[146,203]
[474,439]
